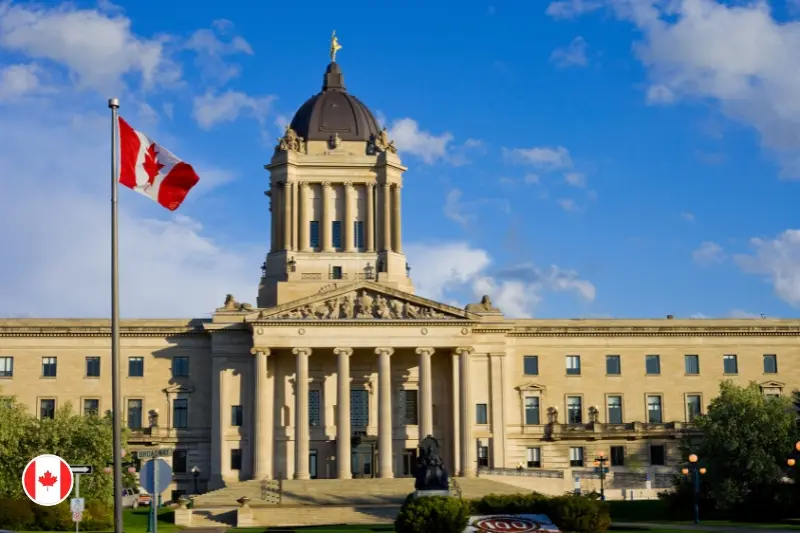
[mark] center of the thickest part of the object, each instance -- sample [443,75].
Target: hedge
[441,514]
[24,515]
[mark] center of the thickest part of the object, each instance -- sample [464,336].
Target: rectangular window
[531,365]
[481,414]
[314,413]
[135,367]
[573,365]
[770,364]
[358,234]
[135,414]
[92,367]
[617,456]
[237,416]
[729,364]
[336,272]
[534,457]
[613,365]
[691,364]
[614,409]
[359,409]
[236,459]
[576,456]
[483,456]
[652,364]
[410,409]
[6,367]
[574,410]
[694,407]
[91,407]
[47,408]
[180,367]
[313,233]
[179,461]
[654,414]
[658,455]
[49,367]
[532,416]
[180,413]
[336,234]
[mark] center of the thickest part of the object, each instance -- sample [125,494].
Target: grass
[135,521]
[654,511]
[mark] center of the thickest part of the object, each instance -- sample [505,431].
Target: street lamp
[600,462]
[696,471]
[196,474]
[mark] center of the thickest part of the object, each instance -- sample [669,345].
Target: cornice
[360,323]
[652,331]
[78,331]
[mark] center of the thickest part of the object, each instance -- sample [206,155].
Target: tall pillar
[370,223]
[273,219]
[387,217]
[287,216]
[397,236]
[348,224]
[456,407]
[262,406]
[301,414]
[343,450]
[425,393]
[327,218]
[304,243]
[295,216]
[466,415]
[219,419]
[385,469]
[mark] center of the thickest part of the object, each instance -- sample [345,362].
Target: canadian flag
[151,170]
[47,480]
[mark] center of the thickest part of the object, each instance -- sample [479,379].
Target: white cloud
[708,253]
[688,216]
[659,95]
[738,313]
[211,109]
[212,51]
[568,205]
[575,179]
[543,157]
[17,81]
[573,55]
[410,139]
[453,208]
[465,212]
[778,259]
[532,179]
[572,8]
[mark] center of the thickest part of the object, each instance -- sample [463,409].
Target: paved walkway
[700,527]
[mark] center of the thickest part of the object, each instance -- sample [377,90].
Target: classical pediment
[772,385]
[531,387]
[365,300]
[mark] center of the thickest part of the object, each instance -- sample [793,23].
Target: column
[456,406]
[349,220]
[387,218]
[278,212]
[497,390]
[301,414]
[396,222]
[273,220]
[220,421]
[304,243]
[262,456]
[343,449]
[385,469]
[327,218]
[425,393]
[287,216]
[370,223]
[295,216]
[466,415]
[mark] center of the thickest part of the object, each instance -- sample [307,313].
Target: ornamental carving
[380,142]
[290,142]
[232,305]
[364,305]
[485,306]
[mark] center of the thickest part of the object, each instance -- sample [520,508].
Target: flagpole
[113,104]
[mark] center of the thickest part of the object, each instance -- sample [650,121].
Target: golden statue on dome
[335,46]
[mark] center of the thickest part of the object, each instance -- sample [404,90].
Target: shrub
[54,518]
[16,515]
[433,513]
[579,514]
[97,517]
[530,503]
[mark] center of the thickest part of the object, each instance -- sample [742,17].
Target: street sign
[47,480]
[77,517]
[76,505]
[160,452]
[155,480]
[81,469]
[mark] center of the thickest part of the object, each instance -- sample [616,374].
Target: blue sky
[576,158]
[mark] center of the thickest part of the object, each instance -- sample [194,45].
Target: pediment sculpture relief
[290,142]
[362,304]
[381,142]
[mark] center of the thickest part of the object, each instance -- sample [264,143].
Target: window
[729,364]
[359,409]
[91,407]
[336,234]
[694,407]
[135,414]
[313,233]
[236,459]
[614,409]
[576,456]
[770,364]
[617,456]
[135,367]
[179,461]
[613,365]
[658,455]
[49,367]
[47,408]
[481,414]
[691,364]
[534,457]
[92,367]
[654,414]
[336,272]
[574,410]
[483,456]
[237,416]
[358,233]
[314,415]
[180,413]
[573,365]
[532,416]
[410,410]
[180,367]
[531,365]
[6,367]
[652,364]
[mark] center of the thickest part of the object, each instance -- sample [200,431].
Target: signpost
[76,504]
[155,477]
[81,469]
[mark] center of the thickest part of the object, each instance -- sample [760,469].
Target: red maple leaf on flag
[47,480]
[151,164]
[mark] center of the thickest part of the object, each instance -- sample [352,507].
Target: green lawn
[136,521]
[653,511]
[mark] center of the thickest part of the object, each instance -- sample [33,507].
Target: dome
[333,111]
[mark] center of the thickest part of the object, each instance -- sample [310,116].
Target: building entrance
[362,461]
[410,462]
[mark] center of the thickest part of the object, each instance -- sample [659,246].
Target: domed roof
[334,111]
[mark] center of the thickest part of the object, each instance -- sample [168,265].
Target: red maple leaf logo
[47,480]
[151,164]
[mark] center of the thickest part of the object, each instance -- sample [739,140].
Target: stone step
[216,518]
[286,516]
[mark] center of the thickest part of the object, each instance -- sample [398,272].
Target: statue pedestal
[424,493]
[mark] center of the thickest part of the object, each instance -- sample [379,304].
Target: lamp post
[696,471]
[196,474]
[600,462]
